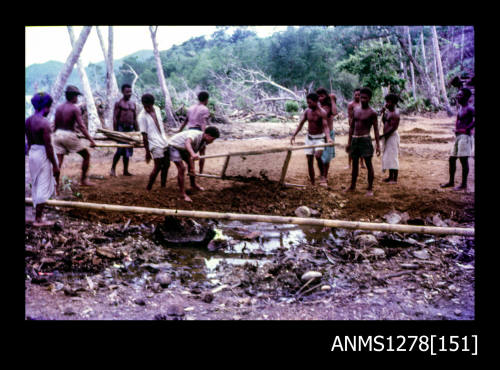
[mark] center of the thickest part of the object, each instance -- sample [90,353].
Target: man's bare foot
[127,174]
[187,199]
[392,182]
[460,188]
[369,193]
[87,183]
[323,183]
[447,185]
[347,167]
[198,187]
[112,173]
[350,190]
[387,179]
[43,223]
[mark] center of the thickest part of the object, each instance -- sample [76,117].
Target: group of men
[361,117]
[47,147]
[47,144]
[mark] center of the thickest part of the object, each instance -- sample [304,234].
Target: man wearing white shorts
[184,146]
[154,139]
[317,133]
[463,148]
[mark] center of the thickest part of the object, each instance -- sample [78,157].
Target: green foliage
[376,64]
[291,106]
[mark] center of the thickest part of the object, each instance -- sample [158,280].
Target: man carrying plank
[360,142]
[329,104]
[44,169]
[124,120]
[154,139]
[350,108]
[69,117]
[317,133]
[184,146]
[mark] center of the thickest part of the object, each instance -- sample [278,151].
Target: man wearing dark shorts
[124,120]
[360,143]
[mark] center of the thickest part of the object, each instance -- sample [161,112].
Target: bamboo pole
[264,218]
[267,151]
[114,146]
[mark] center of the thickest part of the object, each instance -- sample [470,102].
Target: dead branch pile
[132,138]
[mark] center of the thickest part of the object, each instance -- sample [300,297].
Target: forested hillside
[245,73]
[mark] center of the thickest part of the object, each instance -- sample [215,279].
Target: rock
[421,254]
[106,252]
[252,235]
[175,310]
[377,252]
[458,312]
[409,266]
[140,302]
[326,287]
[366,240]
[69,311]
[437,221]
[163,279]
[70,292]
[311,275]
[207,297]
[303,211]
[393,217]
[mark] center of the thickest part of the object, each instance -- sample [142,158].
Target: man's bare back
[67,115]
[36,126]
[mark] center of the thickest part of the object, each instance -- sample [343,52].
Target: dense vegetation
[302,59]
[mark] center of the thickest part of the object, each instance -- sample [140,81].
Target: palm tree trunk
[411,65]
[94,121]
[66,70]
[437,53]
[171,121]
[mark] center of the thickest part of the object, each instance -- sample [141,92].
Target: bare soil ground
[262,293]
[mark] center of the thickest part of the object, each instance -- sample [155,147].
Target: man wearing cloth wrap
[124,120]
[68,118]
[390,138]
[44,168]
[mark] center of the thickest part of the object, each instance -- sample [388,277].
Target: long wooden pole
[264,218]
[267,151]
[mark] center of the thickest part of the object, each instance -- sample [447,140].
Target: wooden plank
[226,163]
[285,167]
[356,225]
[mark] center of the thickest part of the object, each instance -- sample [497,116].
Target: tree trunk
[112,91]
[424,61]
[437,53]
[462,47]
[411,65]
[428,87]
[171,121]
[66,70]
[93,120]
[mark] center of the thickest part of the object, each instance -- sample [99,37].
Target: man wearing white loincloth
[317,133]
[44,168]
[390,138]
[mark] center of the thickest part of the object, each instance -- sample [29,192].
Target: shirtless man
[329,104]
[43,164]
[69,117]
[360,142]
[464,142]
[124,120]
[197,119]
[154,139]
[350,108]
[184,146]
[317,133]
[390,138]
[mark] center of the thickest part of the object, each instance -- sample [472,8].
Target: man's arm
[82,127]
[145,141]
[301,124]
[470,126]
[377,136]
[350,112]
[192,155]
[116,111]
